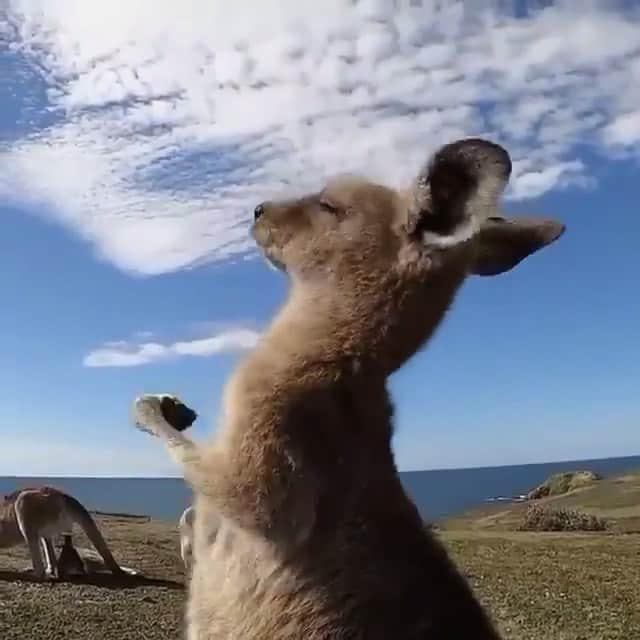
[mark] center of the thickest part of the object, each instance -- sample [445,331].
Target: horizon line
[465,468]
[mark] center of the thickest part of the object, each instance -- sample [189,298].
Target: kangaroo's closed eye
[329,206]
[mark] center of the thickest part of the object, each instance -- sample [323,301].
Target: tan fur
[302,527]
[185,528]
[36,515]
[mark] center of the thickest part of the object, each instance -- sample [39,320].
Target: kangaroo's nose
[258,211]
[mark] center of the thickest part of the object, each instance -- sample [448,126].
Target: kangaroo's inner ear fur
[502,243]
[459,187]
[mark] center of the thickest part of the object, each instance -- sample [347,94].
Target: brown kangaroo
[302,527]
[36,516]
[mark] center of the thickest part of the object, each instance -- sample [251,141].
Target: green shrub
[540,518]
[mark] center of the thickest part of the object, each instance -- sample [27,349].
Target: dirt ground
[537,586]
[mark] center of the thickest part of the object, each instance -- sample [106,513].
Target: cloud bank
[157,126]
[132,354]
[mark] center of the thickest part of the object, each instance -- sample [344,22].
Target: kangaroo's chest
[242,589]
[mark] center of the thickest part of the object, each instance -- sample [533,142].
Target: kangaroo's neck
[311,331]
[376,325]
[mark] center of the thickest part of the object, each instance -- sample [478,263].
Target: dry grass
[552,586]
[101,609]
[537,586]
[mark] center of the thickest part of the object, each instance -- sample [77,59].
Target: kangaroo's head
[383,265]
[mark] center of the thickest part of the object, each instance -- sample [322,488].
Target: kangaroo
[69,561]
[185,527]
[36,515]
[315,536]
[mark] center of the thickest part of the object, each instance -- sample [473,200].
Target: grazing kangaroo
[69,561]
[36,515]
[302,527]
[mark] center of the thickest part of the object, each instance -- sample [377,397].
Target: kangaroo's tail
[80,515]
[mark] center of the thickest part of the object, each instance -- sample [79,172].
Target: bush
[539,518]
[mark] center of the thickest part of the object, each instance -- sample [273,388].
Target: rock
[560,483]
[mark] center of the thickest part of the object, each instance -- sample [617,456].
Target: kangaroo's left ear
[458,188]
[503,243]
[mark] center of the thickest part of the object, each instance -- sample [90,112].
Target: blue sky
[133,147]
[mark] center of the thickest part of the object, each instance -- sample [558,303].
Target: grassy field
[537,586]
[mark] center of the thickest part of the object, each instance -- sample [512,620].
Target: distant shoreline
[112,514]
[513,499]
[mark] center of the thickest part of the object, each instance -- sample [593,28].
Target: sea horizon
[401,471]
[438,493]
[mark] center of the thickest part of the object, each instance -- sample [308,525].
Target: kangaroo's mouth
[264,240]
[272,261]
[261,233]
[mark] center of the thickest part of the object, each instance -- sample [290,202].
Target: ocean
[437,494]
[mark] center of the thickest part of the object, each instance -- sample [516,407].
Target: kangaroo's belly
[358,586]
[58,526]
[235,582]
[241,590]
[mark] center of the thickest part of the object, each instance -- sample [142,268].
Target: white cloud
[172,120]
[133,354]
[624,130]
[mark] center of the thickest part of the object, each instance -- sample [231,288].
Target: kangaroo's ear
[502,243]
[458,188]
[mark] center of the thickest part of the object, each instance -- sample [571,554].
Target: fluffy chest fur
[368,568]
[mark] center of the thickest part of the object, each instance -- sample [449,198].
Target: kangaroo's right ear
[503,243]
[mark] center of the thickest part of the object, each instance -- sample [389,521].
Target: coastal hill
[560,483]
[615,500]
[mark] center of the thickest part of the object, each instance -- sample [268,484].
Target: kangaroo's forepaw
[147,414]
[154,413]
[177,413]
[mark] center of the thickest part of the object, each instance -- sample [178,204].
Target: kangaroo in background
[185,527]
[315,536]
[69,561]
[36,515]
